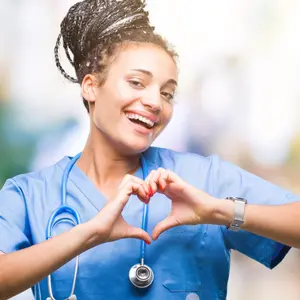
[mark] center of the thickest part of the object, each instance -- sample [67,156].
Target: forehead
[147,57]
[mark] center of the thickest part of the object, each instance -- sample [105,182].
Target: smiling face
[135,103]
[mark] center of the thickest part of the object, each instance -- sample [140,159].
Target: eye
[168,96]
[136,84]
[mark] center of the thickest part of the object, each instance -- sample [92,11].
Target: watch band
[239,212]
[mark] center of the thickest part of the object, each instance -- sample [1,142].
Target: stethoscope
[140,275]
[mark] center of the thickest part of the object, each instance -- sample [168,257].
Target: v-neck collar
[87,187]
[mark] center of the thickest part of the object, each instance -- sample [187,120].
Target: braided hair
[92,31]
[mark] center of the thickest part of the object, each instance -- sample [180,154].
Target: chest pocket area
[181,259]
[183,287]
[177,254]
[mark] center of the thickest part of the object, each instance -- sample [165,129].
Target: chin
[136,146]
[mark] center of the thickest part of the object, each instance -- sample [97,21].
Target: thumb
[164,225]
[138,233]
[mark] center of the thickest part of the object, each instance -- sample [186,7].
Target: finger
[138,233]
[163,179]
[139,190]
[162,226]
[170,176]
[148,182]
[142,194]
[130,178]
[146,188]
[152,181]
[137,187]
[123,195]
[162,184]
[149,176]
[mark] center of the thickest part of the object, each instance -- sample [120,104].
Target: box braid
[93,30]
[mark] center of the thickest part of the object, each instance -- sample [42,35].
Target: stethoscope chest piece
[141,276]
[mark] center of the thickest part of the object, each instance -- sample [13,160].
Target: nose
[152,101]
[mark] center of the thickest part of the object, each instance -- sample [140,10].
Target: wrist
[86,236]
[223,211]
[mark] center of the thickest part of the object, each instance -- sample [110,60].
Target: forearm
[22,269]
[280,223]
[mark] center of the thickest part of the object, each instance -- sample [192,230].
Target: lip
[145,114]
[140,128]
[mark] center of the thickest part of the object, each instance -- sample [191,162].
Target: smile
[135,118]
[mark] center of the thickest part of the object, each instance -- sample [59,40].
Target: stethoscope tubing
[64,208]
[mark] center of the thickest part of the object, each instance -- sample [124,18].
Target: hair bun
[88,22]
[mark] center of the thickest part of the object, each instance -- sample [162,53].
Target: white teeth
[140,118]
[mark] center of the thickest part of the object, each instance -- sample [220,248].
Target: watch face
[237,198]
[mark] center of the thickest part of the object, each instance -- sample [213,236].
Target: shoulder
[27,182]
[168,158]
[192,162]
[194,168]
[207,172]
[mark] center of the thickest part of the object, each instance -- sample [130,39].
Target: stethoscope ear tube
[62,209]
[72,295]
[53,221]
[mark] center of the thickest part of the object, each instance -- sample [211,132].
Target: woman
[128,77]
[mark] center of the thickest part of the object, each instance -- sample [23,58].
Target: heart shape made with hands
[190,206]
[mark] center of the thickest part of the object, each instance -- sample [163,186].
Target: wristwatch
[239,211]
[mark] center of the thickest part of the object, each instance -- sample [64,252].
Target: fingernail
[148,243]
[151,192]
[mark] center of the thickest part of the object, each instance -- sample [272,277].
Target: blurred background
[239,97]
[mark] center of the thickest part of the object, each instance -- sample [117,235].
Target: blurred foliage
[16,146]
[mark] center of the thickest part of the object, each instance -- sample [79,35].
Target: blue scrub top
[189,262]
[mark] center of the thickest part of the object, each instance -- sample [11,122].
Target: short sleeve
[232,181]
[14,228]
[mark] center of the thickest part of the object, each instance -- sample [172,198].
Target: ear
[88,87]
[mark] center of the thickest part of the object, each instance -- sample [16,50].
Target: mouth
[140,120]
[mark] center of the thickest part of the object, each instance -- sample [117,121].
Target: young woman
[120,189]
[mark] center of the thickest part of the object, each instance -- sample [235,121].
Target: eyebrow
[148,73]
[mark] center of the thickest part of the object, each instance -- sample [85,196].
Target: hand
[189,205]
[108,225]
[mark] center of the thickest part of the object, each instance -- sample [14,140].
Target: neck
[104,165]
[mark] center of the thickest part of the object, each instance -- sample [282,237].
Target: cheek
[167,113]
[109,104]
[103,112]
[125,94]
